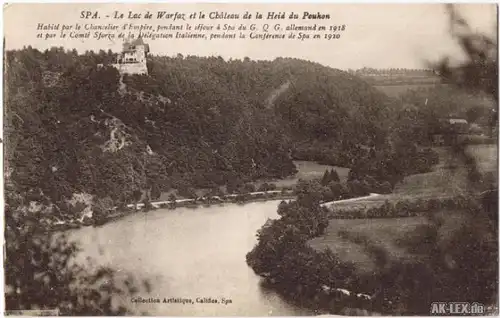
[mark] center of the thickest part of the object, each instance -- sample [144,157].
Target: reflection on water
[190,253]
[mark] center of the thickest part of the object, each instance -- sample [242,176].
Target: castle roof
[127,45]
[138,41]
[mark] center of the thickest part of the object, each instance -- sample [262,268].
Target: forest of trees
[193,122]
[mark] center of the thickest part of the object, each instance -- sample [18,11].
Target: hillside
[443,101]
[337,104]
[194,122]
[398,90]
[397,82]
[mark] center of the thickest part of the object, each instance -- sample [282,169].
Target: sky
[376,35]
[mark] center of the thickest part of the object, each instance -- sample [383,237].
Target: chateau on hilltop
[132,59]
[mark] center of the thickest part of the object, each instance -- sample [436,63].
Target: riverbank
[279,189]
[207,201]
[228,198]
[244,198]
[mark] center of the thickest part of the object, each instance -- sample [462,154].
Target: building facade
[450,131]
[133,58]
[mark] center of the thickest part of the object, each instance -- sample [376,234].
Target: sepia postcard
[230,159]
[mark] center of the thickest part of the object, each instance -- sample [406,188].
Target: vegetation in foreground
[460,265]
[74,130]
[400,272]
[41,272]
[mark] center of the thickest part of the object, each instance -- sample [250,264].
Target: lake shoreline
[240,199]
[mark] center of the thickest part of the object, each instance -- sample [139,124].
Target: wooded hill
[72,127]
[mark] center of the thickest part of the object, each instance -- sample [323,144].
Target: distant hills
[396,76]
[367,71]
[397,81]
[194,121]
[72,127]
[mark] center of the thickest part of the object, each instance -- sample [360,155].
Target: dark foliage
[329,176]
[461,264]
[407,208]
[41,272]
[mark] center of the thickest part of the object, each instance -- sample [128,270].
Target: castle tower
[133,58]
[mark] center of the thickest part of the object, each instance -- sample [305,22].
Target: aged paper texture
[250,159]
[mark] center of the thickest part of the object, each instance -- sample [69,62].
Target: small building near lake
[449,131]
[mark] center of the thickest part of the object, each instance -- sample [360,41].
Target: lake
[190,253]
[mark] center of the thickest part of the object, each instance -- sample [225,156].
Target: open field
[449,177]
[383,232]
[308,170]
[441,182]
[346,236]
[486,156]
[395,91]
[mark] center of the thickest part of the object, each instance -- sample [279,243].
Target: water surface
[190,253]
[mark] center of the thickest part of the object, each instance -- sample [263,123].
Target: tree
[385,188]
[233,186]
[473,114]
[216,191]
[337,189]
[155,192]
[249,187]
[136,196]
[480,72]
[172,197]
[334,176]
[101,208]
[326,178]
[264,187]
[188,193]
[475,243]
[173,200]
[41,272]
